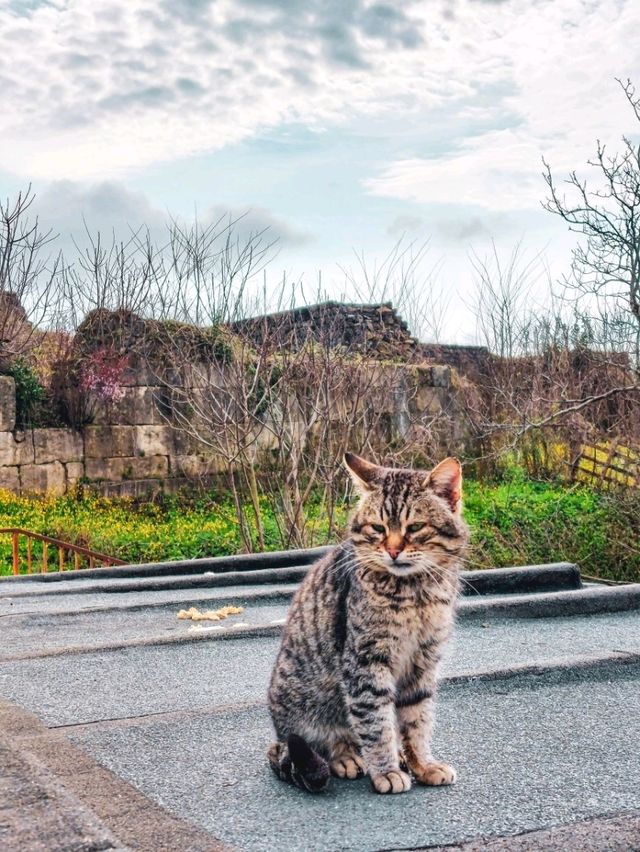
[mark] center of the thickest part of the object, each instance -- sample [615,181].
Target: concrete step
[52,625]
[219,564]
[528,578]
[157,674]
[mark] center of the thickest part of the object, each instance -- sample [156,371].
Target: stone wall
[131,448]
[37,460]
[126,457]
[471,361]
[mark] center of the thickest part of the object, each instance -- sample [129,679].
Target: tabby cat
[353,687]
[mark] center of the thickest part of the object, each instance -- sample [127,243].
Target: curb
[528,578]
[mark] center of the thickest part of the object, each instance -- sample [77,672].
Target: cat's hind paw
[395,781]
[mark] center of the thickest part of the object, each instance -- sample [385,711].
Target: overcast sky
[341,125]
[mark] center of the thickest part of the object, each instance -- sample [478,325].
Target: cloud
[257,220]
[499,170]
[73,211]
[557,63]
[70,209]
[405,224]
[94,90]
[466,228]
[98,91]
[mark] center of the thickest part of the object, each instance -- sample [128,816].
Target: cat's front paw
[395,781]
[348,766]
[434,774]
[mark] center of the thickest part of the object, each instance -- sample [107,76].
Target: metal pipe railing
[65,549]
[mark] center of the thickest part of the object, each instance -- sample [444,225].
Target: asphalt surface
[527,757]
[49,632]
[79,688]
[539,711]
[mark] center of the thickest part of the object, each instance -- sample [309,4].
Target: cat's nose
[394,552]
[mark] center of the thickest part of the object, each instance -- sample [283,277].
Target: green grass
[512,523]
[520,522]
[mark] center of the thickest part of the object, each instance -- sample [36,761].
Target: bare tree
[564,370]
[552,382]
[282,407]
[405,278]
[198,273]
[29,277]
[607,264]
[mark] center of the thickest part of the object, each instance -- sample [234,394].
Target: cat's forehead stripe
[395,496]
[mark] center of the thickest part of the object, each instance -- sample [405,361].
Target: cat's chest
[417,618]
[418,632]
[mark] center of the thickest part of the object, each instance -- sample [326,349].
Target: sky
[342,126]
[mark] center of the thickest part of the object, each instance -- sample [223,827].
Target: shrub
[29,393]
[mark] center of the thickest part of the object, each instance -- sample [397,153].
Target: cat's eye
[414,528]
[377,528]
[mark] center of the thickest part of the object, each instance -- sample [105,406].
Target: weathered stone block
[9,479]
[134,488]
[7,448]
[441,376]
[427,400]
[138,406]
[194,466]
[153,440]
[75,471]
[101,469]
[118,469]
[25,447]
[102,442]
[185,444]
[108,468]
[7,404]
[141,372]
[151,467]
[16,448]
[43,478]
[203,374]
[64,445]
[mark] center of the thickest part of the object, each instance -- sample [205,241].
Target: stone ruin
[374,331]
[131,447]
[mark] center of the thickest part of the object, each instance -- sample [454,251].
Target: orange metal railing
[65,550]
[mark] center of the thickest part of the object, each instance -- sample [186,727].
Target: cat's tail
[297,763]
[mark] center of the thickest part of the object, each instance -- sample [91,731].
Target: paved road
[541,716]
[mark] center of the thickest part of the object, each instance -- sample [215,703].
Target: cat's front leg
[415,708]
[372,712]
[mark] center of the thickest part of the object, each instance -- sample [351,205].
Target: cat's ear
[446,481]
[364,474]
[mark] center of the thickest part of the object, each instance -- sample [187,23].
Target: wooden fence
[609,464]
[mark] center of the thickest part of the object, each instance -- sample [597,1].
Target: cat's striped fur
[354,683]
